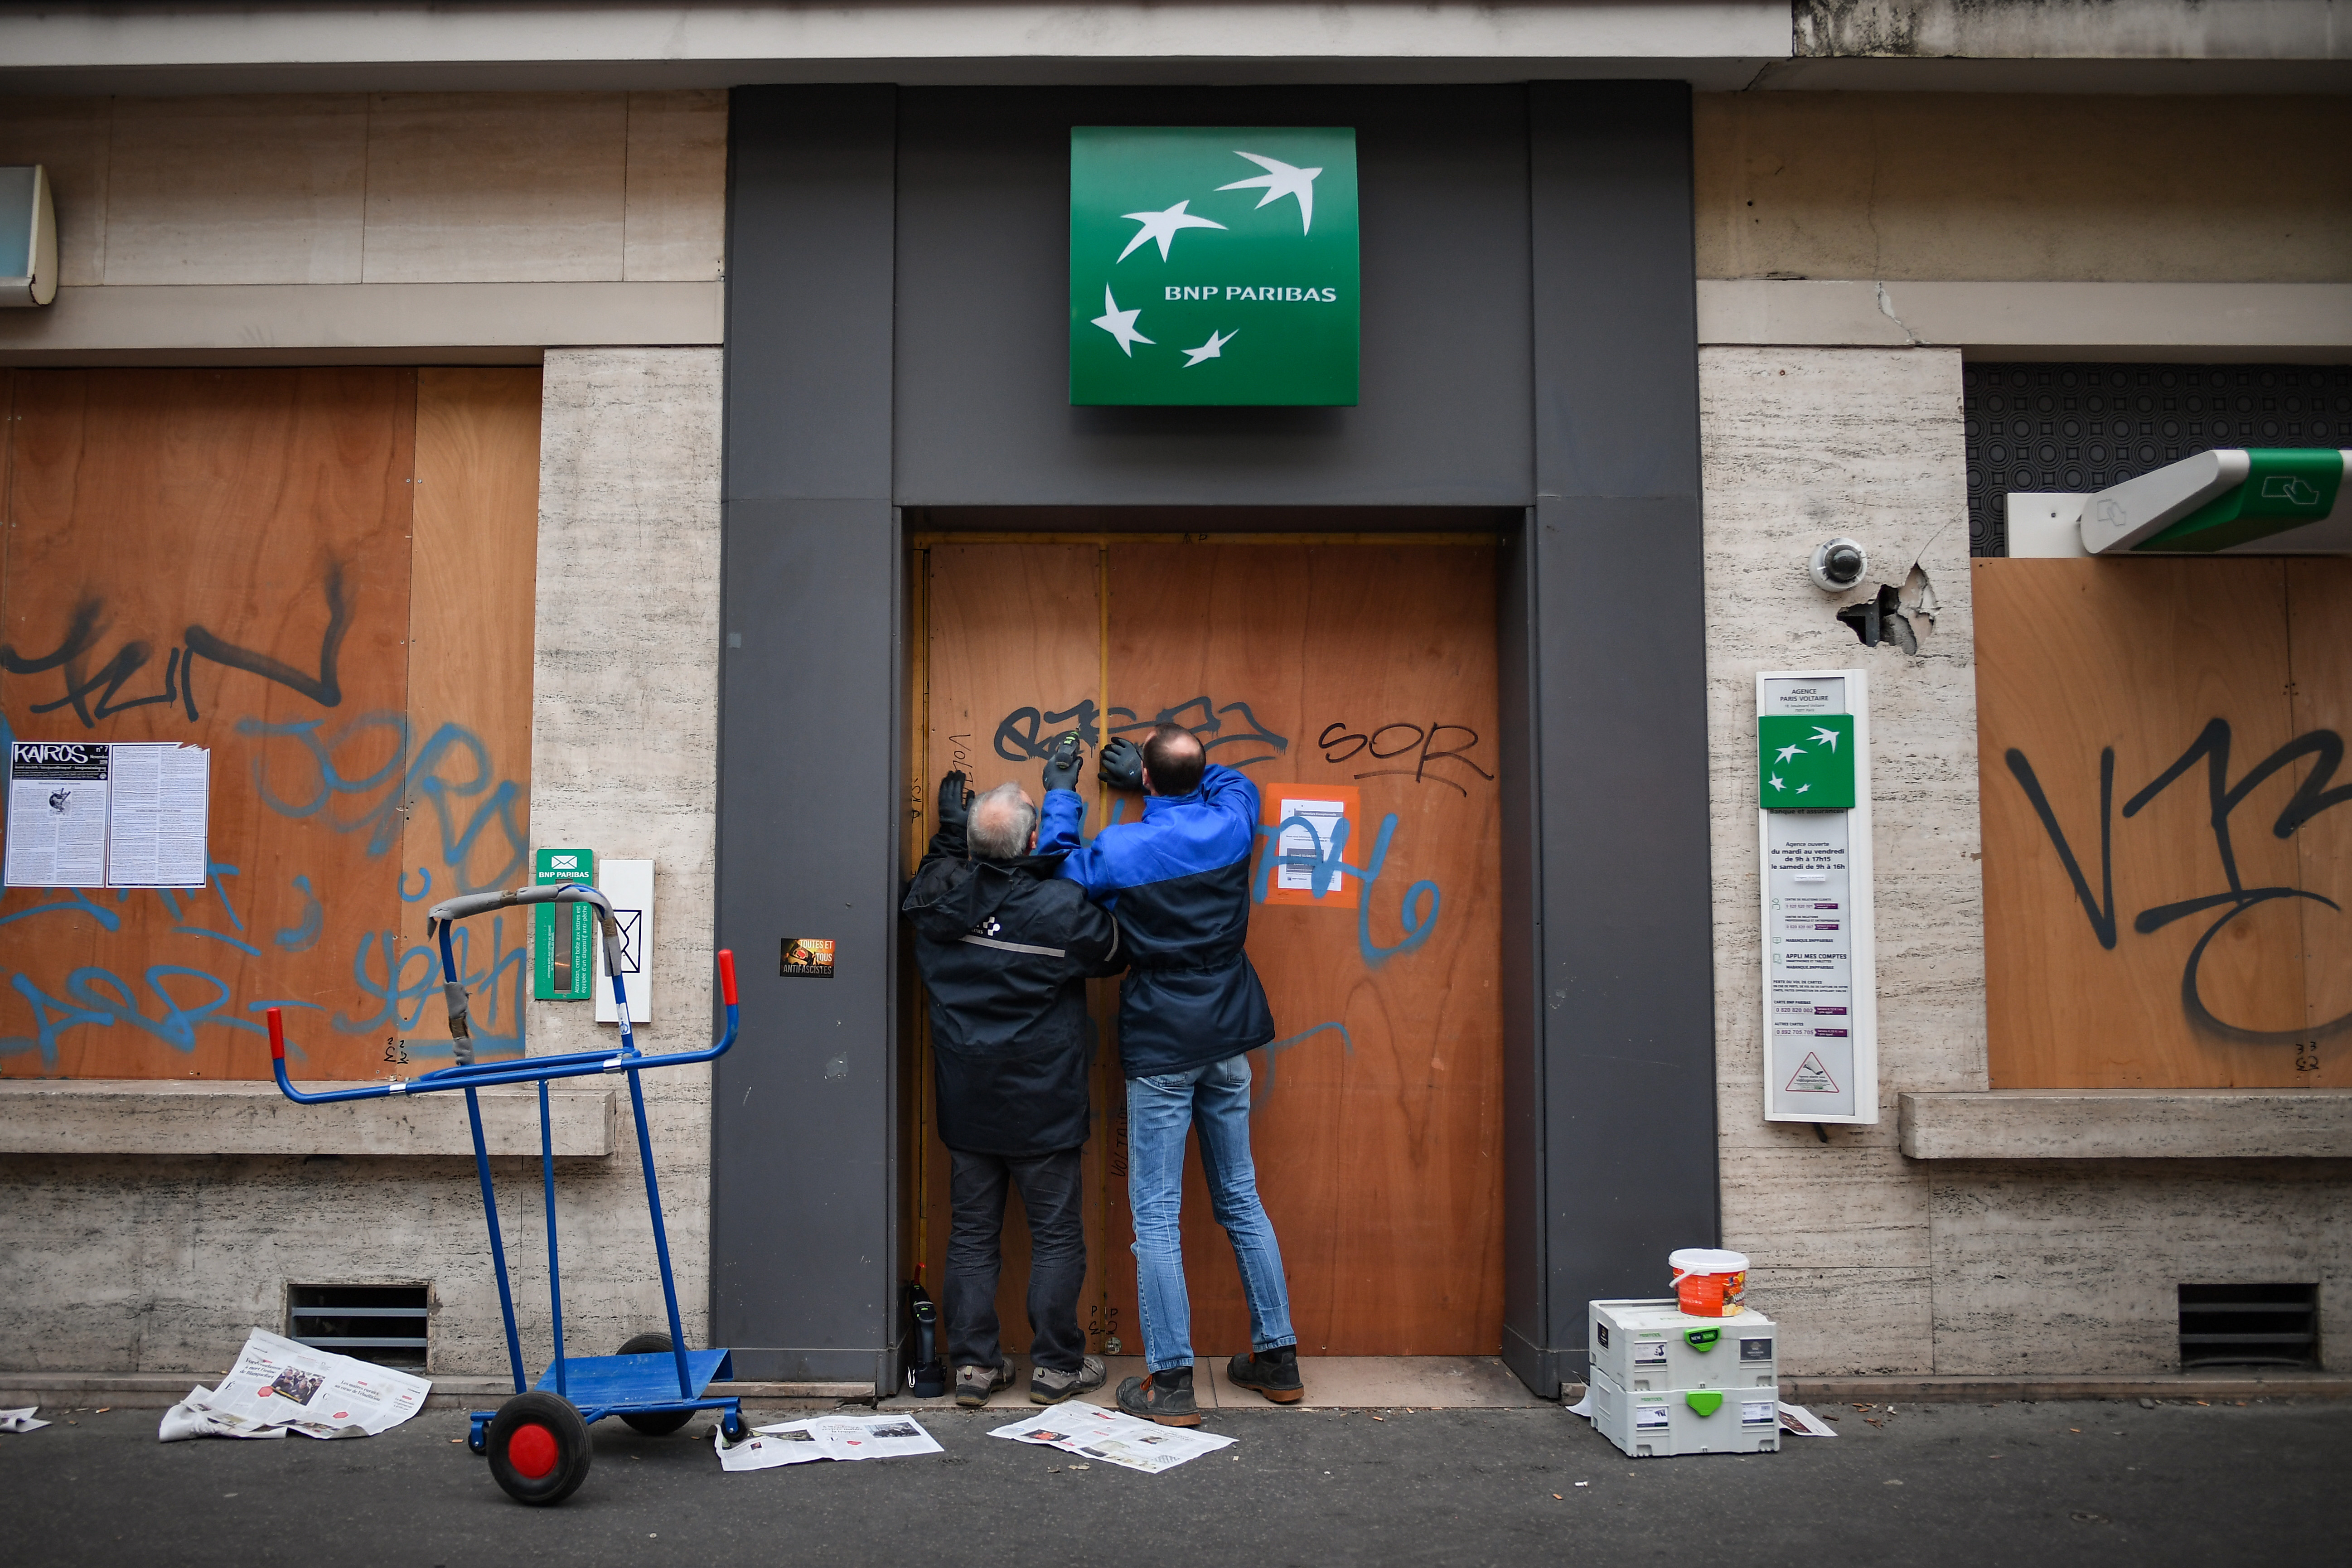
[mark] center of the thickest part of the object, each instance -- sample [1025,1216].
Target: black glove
[1063,763]
[1121,766]
[955,801]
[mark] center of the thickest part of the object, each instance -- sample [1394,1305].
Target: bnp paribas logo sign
[1212,264]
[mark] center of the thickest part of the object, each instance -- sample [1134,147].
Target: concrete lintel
[166,1116]
[2128,1124]
[226,321]
[407,44]
[2272,320]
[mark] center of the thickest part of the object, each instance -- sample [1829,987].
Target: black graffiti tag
[2312,797]
[71,657]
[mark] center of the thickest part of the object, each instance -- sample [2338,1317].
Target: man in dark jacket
[1005,948]
[1179,882]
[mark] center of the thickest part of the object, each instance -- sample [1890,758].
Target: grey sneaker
[976,1383]
[1047,1387]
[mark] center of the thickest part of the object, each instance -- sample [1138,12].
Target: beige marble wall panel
[73,137]
[1801,445]
[1851,1204]
[2102,187]
[676,220]
[625,742]
[1847,1322]
[2070,1266]
[487,188]
[237,190]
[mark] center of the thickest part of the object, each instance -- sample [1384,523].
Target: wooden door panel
[1376,1130]
[1013,628]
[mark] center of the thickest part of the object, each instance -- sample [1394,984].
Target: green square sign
[563,936]
[1213,265]
[1805,763]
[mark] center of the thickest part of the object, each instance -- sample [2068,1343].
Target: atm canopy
[2261,501]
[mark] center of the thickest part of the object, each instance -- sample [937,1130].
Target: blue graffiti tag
[303,936]
[1416,913]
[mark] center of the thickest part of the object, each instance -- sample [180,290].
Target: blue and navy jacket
[1179,883]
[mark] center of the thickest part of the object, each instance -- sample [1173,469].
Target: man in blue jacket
[1179,882]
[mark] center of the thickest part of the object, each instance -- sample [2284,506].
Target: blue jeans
[1217,1100]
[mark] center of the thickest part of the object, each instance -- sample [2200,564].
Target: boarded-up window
[325,576]
[2167,821]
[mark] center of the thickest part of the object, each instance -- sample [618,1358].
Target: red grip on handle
[727,974]
[277,1034]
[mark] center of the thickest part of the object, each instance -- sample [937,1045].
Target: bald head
[1004,823]
[1173,761]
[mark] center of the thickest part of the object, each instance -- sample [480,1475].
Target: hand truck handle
[459,908]
[727,976]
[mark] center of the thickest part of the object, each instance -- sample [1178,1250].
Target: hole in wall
[1900,616]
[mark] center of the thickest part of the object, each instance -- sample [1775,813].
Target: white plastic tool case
[1661,1423]
[1652,1346]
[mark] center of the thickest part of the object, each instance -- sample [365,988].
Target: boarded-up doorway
[1365,664]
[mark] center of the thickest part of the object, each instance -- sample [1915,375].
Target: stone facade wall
[2037,187]
[1878,1263]
[142,1263]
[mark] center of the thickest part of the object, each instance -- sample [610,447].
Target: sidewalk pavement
[1968,1486]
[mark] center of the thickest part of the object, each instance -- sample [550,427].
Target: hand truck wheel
[653,1423]
[733,1426]
[538,1449]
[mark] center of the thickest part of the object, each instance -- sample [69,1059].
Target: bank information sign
[1213,265]
[1821,992]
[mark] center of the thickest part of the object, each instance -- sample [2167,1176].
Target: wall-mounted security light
[2279,501]
[1837,564]
[28,236]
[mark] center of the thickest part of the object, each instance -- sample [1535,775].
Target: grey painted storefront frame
[870,366]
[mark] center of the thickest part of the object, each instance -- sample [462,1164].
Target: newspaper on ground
[1114,1437]
[785,1443]
[847,1437]
[1803,1422]
[873,1436]
[278,1385]
[20,1420]
[1583,1406]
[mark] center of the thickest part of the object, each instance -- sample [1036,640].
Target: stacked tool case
[1664,1382]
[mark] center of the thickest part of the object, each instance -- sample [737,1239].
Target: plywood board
[1015,637]
[1376,1129]
[219,558]
[2155,661]
[2319,635]
[468,784]
[1337,667]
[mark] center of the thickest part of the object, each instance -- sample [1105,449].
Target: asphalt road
[1962,1485]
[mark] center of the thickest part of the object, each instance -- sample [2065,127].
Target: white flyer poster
[160,798]
[279,1382]
[57,814]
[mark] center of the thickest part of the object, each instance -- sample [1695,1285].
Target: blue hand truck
[537,1442]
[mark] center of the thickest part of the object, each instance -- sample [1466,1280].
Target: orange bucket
[1708,1282]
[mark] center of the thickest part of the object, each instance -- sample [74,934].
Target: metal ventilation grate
[2249,1325]
[2078,428]
[387,1324]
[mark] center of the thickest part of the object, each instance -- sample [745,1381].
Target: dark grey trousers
[1055,1204]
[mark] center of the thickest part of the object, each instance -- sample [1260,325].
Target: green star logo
[1805,763]
[1213,265]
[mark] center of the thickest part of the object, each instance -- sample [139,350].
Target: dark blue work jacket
[1179,883]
